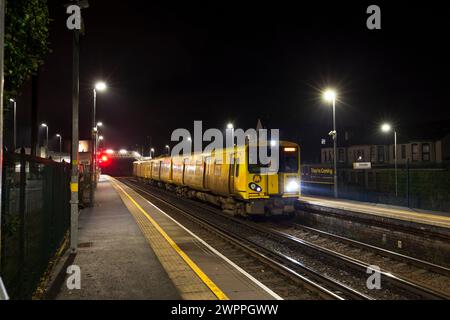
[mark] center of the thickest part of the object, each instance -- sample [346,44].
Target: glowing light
[100,86]
[386,127]
[109,151]
[290,149]
[123,151]
[44,125]
[292,186]
[330,95]
[273,143]
[230,126]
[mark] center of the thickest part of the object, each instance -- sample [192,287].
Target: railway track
[339,275]
[428,275]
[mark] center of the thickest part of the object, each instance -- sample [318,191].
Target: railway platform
[130,249]
[377,211]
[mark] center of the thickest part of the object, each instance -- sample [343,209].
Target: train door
[231,173]
[184,171]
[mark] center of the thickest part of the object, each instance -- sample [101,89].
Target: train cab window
[289,160]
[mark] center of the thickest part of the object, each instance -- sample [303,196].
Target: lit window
[426,152]
[415,152]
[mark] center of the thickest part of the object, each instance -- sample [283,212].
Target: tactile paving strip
[191,287]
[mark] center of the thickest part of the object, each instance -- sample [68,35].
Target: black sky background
[168,64]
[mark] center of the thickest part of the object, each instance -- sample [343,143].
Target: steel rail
[392,254]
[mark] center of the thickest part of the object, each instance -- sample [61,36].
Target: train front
[280,189]
[288,179]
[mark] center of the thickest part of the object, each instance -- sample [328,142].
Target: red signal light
[103,160]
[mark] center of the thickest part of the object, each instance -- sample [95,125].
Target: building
[418,152]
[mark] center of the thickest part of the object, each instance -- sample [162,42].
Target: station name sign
[322,171]
[362,165]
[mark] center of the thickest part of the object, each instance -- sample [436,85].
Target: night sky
[168,64]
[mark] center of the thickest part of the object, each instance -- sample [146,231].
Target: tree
[26,41]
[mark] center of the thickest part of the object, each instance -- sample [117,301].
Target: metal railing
[35,220]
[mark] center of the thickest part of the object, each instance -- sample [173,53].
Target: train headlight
[292,186]
[255,187]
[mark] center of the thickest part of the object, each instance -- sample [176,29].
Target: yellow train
[236,186]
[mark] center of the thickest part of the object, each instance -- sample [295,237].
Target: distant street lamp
[15,124]
[44,125]
[330,96]
[386,128]
[99,86]
[168,149]
[60,146]
[60,142]
[152,152]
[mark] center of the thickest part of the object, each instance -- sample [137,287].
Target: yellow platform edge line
[206,280]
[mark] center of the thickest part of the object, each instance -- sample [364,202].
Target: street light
[60,146]
[44,125]
[15,124]
[168,149]
[386,128]
[60,142]
[152,152]
[99,86]
[330,96]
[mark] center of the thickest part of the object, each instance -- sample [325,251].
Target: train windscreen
[289,160]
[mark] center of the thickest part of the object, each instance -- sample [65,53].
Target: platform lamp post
[97,139]
[44,125]
[60,146]
[230,127]
[14,102]
[330,96]
[3,293]
[99,87]
[152,153]
[168,150]
[189,139]
[386,128]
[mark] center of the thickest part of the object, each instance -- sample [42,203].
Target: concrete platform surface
[129,249]
[114,257]
[197,269]
[439,219]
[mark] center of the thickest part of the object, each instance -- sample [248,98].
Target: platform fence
[422,188]
[35,219]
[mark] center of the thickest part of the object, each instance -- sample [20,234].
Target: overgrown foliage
[26,41]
